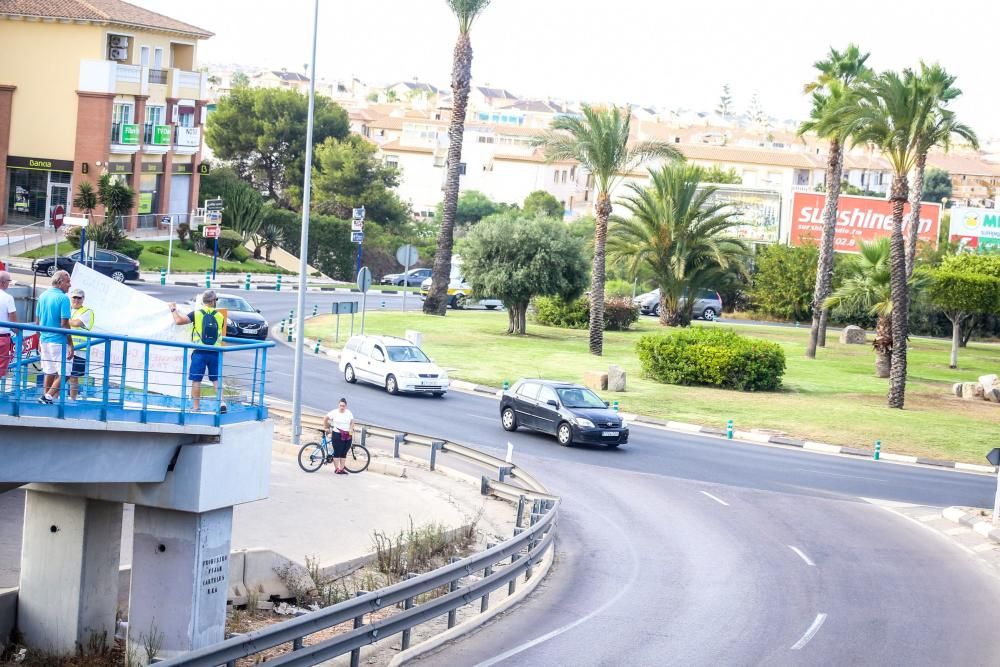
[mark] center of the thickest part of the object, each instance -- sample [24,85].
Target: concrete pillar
[6,108]
[180,575]
[69,571]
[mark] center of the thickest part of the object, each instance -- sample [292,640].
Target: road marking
[837,474]
[718,500]
[811,632]
[802,555]
[489,419]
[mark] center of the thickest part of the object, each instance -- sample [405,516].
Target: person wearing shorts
[8,313]
[54,311]
[203,361]
[339,426]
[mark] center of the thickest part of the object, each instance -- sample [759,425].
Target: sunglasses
[76,297]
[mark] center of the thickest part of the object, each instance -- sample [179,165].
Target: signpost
[169,221]
[213,204]
[58,213]
[364,282]
[994,458]
[213,232]
[213,208]
[358,236]
[406,255]
[85,247]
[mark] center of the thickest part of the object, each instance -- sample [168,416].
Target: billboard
[756,211]
[858,219]
[975,228]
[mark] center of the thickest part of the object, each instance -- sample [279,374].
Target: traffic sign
[994,456]
[357,225]
[58,213]
[213,204]
[211,231]
[165,220]
[407,255]
[358,213]
[364,279]
[357,237]
[214,217]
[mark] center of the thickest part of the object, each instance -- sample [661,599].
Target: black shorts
[340,447]
[79,367]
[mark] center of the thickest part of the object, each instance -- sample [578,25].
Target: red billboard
[858,219]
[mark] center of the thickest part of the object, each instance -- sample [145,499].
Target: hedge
[714,357]
[619,313]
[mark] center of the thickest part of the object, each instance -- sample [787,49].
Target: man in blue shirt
[54,311]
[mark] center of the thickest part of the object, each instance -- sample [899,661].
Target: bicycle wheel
[357,459]
[311,457]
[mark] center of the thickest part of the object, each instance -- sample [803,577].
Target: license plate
[609,434]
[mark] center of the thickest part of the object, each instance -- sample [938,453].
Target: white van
[393,363]
[459,291]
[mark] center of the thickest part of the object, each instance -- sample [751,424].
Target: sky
[669,54]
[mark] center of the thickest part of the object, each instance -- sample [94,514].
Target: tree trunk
[511,316]
[916,192]
[956,338]
[824,267]
[900,297]
[968,330]
[436,302]
[603,210]
[824,321]
[883,346]
[522,318]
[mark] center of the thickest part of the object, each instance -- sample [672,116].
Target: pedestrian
[54,311]
[339,426]
[81,317]
[209,328]
[8,313]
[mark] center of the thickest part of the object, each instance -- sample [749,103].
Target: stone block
[269,573]
[993,394]
[853,335]
[596,380]
[972,391]
[957,389]
[988,381]
[616,378]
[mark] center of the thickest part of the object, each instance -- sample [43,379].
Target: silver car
[707,305]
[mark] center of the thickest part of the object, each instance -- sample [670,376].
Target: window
[144,56]
[158,58]
[392,161]
[407,353]
[564,174]
[378,354]
[155,114]
[528,390]
[353,345]
[547,394]
[483,116]
[555,176]
[122,112]
[580,398]
[461,169]
[366,348]
[185,116]
[104,256]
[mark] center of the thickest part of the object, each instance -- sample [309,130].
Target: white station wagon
[393,363]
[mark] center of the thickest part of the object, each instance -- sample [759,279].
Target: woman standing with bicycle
[342,422]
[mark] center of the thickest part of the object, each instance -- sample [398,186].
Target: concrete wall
[8,615]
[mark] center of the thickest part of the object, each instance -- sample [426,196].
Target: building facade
[116,92]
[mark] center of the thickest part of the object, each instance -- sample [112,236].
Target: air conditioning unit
[119,42]
[119,54]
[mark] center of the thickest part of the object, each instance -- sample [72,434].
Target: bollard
[316,348]
[282,325]
[364,435]
[397,440]
[512,586]
[291,314]
[506,385]
[407,604]
[435,446]
[485,604]
[315,309]
[208,279]
[484,485]
[878,449]
[729,429]
[520,511]
[504,471]
[614,406]
[163,276]
[453,586]
[358,622]
[289,339]
[277,284]
[246,283]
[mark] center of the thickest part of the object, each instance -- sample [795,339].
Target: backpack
[209,328]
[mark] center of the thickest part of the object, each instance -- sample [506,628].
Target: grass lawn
[835,398]
[184,261]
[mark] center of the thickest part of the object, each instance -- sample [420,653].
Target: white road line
[718,500]
[489,419]
[802,555]
[811,632]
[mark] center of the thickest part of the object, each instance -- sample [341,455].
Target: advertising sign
[145,202]
[975,229]
[211,231]
[130,134]
[757,211]
[161,135]
[858,219]
[188,136]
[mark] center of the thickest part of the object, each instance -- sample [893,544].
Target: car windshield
[573,397]
[234,303]
[407,353]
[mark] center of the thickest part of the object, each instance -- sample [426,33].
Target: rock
[616,378]
[852,335]
[957,389]
[993,394]
[988,381]
[972,390]
[596,380]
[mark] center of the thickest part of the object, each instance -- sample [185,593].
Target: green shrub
[619,313]
[239,254]
[228,240]
[618,288]
[129,247]
[160,250]
[712,356]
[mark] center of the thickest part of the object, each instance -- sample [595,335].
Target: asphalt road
[691,550]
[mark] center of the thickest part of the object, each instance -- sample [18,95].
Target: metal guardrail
[501,564]
[117,383]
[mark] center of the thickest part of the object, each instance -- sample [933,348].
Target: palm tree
[832,91]
[268,236]
[940,126]
[684,241]
[599,140]
[891,113]
[86,198]
[466,12]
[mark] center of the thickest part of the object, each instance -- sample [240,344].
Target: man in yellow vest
[209,328]
[81,317]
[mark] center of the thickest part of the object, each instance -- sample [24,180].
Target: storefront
[35,186]
[148,201]
[180,191]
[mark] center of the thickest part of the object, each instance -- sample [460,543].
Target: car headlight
[230,323]
[407,374]
[586,423]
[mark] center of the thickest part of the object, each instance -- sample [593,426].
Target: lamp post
[300,310]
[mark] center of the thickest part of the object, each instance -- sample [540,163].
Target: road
[688,549]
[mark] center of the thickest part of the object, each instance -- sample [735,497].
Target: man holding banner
[209,328]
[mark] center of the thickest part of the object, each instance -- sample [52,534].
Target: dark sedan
[114,265]
[412,279]
[244,321]
[572,413]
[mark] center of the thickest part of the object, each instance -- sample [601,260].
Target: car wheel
[51,271]
[349,374]
[118,276]
[493,307]
[655,311]
[565,434]
[459,301]
[437,394]
[709,314]
[391,386]
[508,419]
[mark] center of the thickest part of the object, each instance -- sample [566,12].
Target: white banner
[188,136]
[119,309]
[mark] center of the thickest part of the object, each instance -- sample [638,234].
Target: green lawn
[184,261]
[835,398]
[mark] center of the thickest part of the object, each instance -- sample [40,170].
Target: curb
[984,528]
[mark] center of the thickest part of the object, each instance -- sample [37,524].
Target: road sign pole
[357,265]
[996,499]
[406,280]
[215,256]
[170,244]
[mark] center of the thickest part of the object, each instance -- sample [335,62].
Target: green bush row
[619,313]
[712,356]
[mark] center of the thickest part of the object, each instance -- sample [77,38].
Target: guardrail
[125,378]
[501,564]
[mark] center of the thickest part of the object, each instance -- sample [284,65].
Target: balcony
[156,138]
[124,137]
[187,140]
[158,76]
[187,85]
[109,76]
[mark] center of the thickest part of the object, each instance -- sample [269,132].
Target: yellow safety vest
[199,323]
[80,340]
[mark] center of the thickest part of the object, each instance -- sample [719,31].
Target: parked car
[113,264]
[411,279]
[242,319]
[393,363]
[459,295]
[707,306]
[570,412]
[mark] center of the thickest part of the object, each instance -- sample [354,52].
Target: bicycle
[313,455]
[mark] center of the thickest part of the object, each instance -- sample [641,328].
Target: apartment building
[92,87]
[974,181]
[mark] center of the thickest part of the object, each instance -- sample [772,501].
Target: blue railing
[133,379]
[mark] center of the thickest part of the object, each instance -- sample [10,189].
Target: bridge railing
[125,378]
